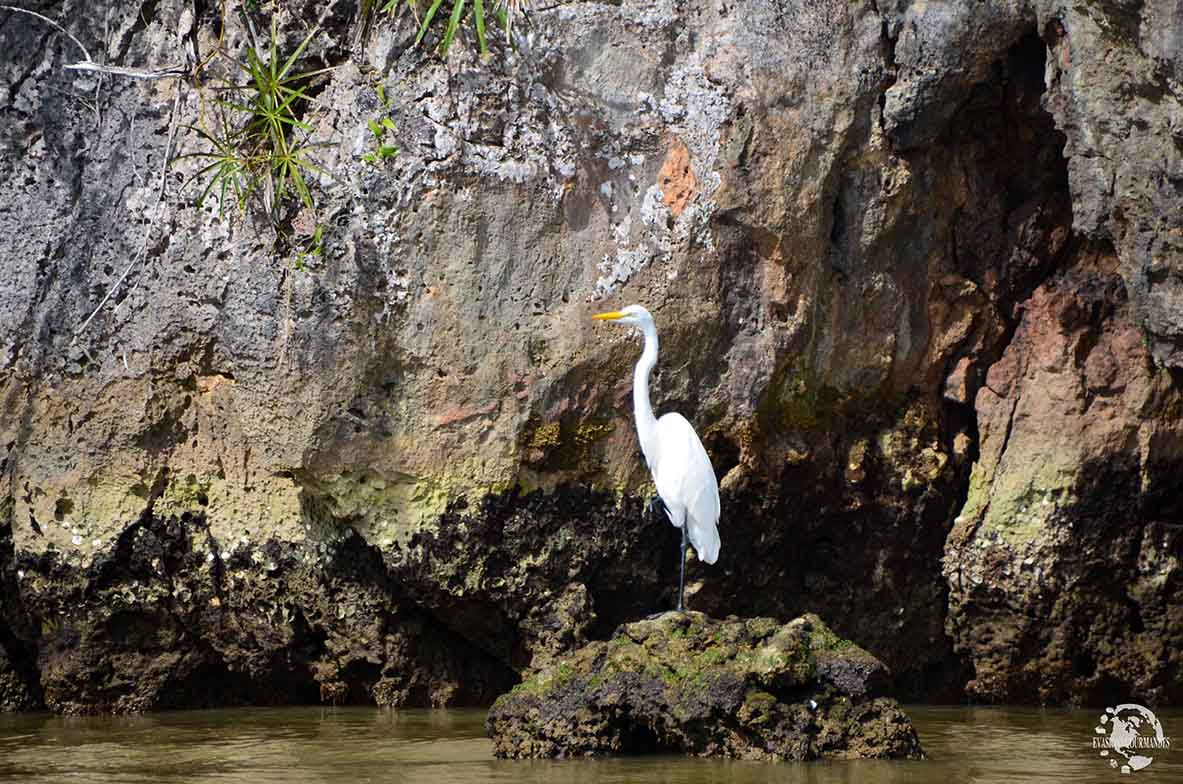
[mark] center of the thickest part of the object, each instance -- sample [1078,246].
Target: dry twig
[141,253]
[170,72]
[68,34]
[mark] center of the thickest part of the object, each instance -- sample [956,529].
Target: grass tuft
[258,144]
[504,13]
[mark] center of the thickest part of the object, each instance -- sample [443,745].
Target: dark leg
[656,508]
[682,571]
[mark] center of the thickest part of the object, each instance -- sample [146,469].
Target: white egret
[676,458]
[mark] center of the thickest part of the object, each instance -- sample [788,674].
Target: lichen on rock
[683,682]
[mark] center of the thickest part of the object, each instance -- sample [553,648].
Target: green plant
[313,251]
[259,145]
[383,151]
[504,13]
[228,170]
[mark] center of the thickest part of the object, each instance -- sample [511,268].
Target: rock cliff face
[916,272]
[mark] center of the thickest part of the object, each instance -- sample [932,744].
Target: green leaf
[306,75]
[382,96]
[236,106]
[287,119]
[478,8]
[435,6]
[293,95]
[301,187]
[387,151]
[287,66]
[388,124]
[217,144]
[306,163]
[208,187]
[273,61]
[453,25]
[375,128]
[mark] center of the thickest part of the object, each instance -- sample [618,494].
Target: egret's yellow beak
[611,315]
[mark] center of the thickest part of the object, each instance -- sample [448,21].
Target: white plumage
[680,466]
[686,483]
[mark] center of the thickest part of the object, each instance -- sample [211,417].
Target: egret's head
[633,316]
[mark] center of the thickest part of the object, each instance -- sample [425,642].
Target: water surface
[304,745]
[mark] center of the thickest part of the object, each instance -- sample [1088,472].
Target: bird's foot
[660,613]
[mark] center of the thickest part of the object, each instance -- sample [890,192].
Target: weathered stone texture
[855,223]
[685,683]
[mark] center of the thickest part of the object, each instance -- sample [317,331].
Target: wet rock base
[685,683]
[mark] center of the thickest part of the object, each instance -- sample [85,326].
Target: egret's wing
[686,482]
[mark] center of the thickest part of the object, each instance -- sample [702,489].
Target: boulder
[683,682]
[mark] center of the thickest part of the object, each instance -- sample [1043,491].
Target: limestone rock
[752,689]
[406,473]
[1064,561]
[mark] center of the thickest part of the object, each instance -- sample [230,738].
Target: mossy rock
[683,682]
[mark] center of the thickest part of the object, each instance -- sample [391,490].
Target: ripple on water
[306,745]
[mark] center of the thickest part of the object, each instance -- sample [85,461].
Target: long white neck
[642,409]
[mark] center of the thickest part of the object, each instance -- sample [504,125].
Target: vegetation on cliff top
[260,143]
[260,146]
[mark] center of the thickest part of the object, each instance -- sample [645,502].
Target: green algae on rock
[682,682]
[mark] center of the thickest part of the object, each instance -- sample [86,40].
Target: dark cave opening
[637,738]
[862,553]
[1012,236]
[1016,233]
[215,684]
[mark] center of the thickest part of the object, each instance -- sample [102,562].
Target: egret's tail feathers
[709,556]
[705,540]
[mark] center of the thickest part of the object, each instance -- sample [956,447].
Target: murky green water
[299,745]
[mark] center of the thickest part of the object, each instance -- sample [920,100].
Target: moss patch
[188,493]
[568,444]
[797,401]
[546,436]
[755,689]
[1018,504]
